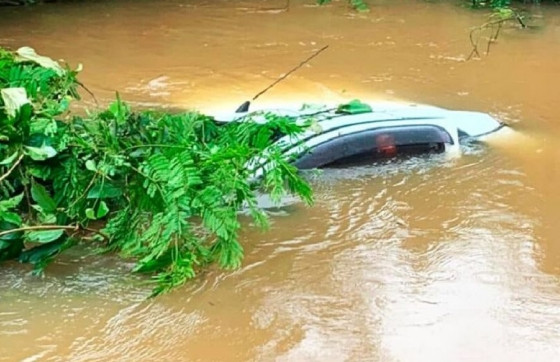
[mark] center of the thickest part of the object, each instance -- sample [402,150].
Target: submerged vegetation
[493,27]
[164,189]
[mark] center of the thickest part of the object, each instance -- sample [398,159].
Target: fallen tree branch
[514,16]
[76,228]
[493,38]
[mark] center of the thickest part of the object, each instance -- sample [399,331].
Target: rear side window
[371,145]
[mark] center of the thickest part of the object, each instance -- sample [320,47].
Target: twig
[98,232]
[474,45]
[520,21]
[75,228]
[493,38]
[41,227]
[156,145]
[85,191]
[90,92]
[5,176]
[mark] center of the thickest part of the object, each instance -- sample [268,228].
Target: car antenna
[245,106]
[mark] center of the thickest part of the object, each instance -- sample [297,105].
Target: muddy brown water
[427,259]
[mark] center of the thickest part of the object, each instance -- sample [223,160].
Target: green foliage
[166,187]
[360,5]
[500,4]
[493,4]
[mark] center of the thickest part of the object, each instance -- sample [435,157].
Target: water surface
[421,260]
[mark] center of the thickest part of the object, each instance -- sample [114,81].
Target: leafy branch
[166,188]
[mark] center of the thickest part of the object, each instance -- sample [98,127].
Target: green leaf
[104,191]
[11,248]
[11,203]
[8,160]
[4,244]
[64,105]
[39,171]
[90,213]
[119,109]
[27,54]
[90,165]
[10,217]
[43,126]
[14,99]
[41,252]
[42,197]
[152,265]
[354,107]
[43,236]
[360,6]
[6,226]
[47,218]
[40,153]
[102,210]
[25,113]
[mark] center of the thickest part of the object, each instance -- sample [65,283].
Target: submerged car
[359,131]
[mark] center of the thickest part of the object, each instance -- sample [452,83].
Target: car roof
[472,124]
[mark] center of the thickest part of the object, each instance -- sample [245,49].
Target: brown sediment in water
[426,259]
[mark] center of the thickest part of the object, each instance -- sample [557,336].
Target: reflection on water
[430,258]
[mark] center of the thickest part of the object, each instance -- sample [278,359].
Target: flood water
[427,259]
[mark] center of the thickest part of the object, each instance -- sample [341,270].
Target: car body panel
[330,125]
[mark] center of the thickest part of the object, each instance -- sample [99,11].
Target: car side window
[375,144]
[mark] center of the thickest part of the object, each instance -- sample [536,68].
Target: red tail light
[386,145]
